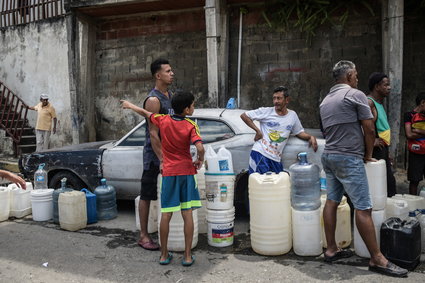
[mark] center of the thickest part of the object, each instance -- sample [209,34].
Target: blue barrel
[91,206]
[401,241]
[55,197]
[305,184]
[106,201]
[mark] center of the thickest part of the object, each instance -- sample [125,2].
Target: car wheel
[72,181]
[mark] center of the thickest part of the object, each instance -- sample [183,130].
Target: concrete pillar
[81,61]
[392,45]
[213,30]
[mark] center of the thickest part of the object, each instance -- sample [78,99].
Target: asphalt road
[107,252]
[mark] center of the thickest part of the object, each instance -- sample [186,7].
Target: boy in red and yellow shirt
[179,191]
[414,126]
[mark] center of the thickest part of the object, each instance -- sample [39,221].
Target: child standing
[179,190]
[414,126]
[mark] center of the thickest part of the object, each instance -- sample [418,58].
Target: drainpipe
[238,84]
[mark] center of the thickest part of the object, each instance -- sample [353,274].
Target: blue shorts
[261,164]
[346,173]
[179,193]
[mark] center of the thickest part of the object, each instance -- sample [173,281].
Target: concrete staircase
[16,136]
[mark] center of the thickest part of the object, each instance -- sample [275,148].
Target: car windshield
[213,131]
[136,138]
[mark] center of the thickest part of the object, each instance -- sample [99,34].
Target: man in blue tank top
[158,101]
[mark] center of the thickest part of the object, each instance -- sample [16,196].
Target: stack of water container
[41,196]
[305,202]
[219,190]
[377,179]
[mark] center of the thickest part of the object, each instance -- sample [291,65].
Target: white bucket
[377,179]
[220,227]
[42,204]
[20,200]
[397,208]
[4,203]
[413,202]
[153,215]
[219,190]
[72,210]
[378,216]
[306,232]
[343,223]
[176,241]
[270,213]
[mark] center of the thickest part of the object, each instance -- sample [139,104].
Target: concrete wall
[34,60]
[125,49]
[271,58]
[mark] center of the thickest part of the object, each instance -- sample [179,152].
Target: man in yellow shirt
[45,114]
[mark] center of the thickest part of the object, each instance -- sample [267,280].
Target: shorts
[261,164]
[179,193]
[149,190]
[346,173]
[416,168]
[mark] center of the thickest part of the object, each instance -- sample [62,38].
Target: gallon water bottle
[55,196]
[305,184]
[106,201]
[40,178]
[211,160]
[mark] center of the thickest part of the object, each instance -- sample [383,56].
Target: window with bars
[17,12]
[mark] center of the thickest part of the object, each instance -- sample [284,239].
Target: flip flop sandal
[391,270]
[339,255]
[188,263]
[167,260]
[150,246]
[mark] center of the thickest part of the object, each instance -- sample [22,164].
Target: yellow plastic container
[343,224]
[72,210]
[270,212]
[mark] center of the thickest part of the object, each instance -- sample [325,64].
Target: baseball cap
[44,96]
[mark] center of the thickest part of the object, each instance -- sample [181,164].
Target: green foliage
[307,15]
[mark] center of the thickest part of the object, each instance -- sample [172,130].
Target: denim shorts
[346,173]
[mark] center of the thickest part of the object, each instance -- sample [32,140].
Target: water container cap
[412,214]
[302,157]
[41,166]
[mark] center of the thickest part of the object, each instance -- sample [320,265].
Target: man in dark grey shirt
[350,133]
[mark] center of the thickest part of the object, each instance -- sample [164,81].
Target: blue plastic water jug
[305,184]
[55,197]
[106,201]
[91,206]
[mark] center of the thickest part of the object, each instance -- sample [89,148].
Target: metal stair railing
[14,115]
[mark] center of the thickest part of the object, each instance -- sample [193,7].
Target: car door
[123,163]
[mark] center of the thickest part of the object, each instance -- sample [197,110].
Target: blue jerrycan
[91,206]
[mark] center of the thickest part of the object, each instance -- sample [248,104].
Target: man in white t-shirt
[276,125]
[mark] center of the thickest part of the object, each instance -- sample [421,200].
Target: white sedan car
[121,162]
